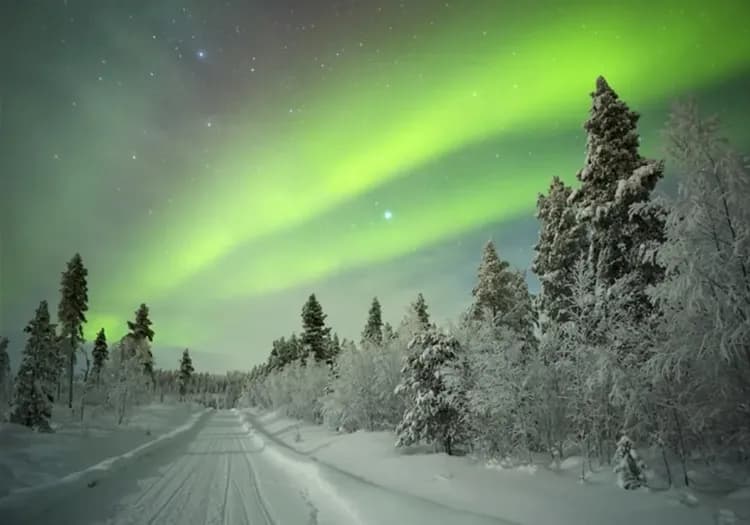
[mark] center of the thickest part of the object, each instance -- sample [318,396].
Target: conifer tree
[141,333]
[100,354]
[334,349]
[432,377]
[186,373]
[420,308]
[493,293]
[72,312]
[373,332]
[388,333]
[5,379]
[624,226]
[141,327]
[32,406]
[314,331]
[561,242]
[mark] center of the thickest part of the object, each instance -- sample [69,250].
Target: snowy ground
[524,494]
[236,467]
[29,459]
[223,471]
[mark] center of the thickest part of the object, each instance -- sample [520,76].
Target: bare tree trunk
[71,364]
[682,451]
[88,366]
[666,465]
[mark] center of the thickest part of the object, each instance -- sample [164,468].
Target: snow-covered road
[224,472]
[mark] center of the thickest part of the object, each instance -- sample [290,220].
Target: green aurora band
[377,125]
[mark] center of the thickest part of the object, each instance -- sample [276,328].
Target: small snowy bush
[628,466]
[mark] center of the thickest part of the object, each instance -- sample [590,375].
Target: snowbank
[33,461]
[522,494]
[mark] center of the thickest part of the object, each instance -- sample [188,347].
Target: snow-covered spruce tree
[186,373]
[416,320]
[315,333]
[139,337]
[628,465]
[100,354]
[6,382]
[432,375]
[614,200]
[389,333]
[703,367]
[521,317]
[561,242]
[72,312]
[333,351]
[419,306]
[373,332]
[492,295]
[33,394]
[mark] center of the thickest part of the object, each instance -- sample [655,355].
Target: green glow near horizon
[372,124]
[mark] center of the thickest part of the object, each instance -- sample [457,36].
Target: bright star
[201,53]
[388,215]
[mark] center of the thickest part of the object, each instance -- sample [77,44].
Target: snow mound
[528,469]
[740,494]
[726,517]
[572,462]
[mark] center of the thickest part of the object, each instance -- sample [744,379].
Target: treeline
[116,377]
[640,334]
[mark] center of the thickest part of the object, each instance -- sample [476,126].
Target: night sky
[221,160]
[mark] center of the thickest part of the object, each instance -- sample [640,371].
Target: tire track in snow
[262,504]
[167,502]
[226,490]
[153,492]
[239,495]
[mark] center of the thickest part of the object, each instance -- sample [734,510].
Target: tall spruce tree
[142,334]
[561,242]
[314,331]
[186,373]
[334,349]
[72,312]
[388,333]
[420,309]
[373,332]
[493,294]
[614,199]
[5,378]
[100,354]
[33,387]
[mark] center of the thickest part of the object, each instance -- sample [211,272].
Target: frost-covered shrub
[500,389]
[124,380]
[362,393]
[297,390]
[628,466]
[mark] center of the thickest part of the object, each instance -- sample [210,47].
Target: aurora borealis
[219,161]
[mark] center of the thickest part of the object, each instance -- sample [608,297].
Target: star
[201,53]
[388,215]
